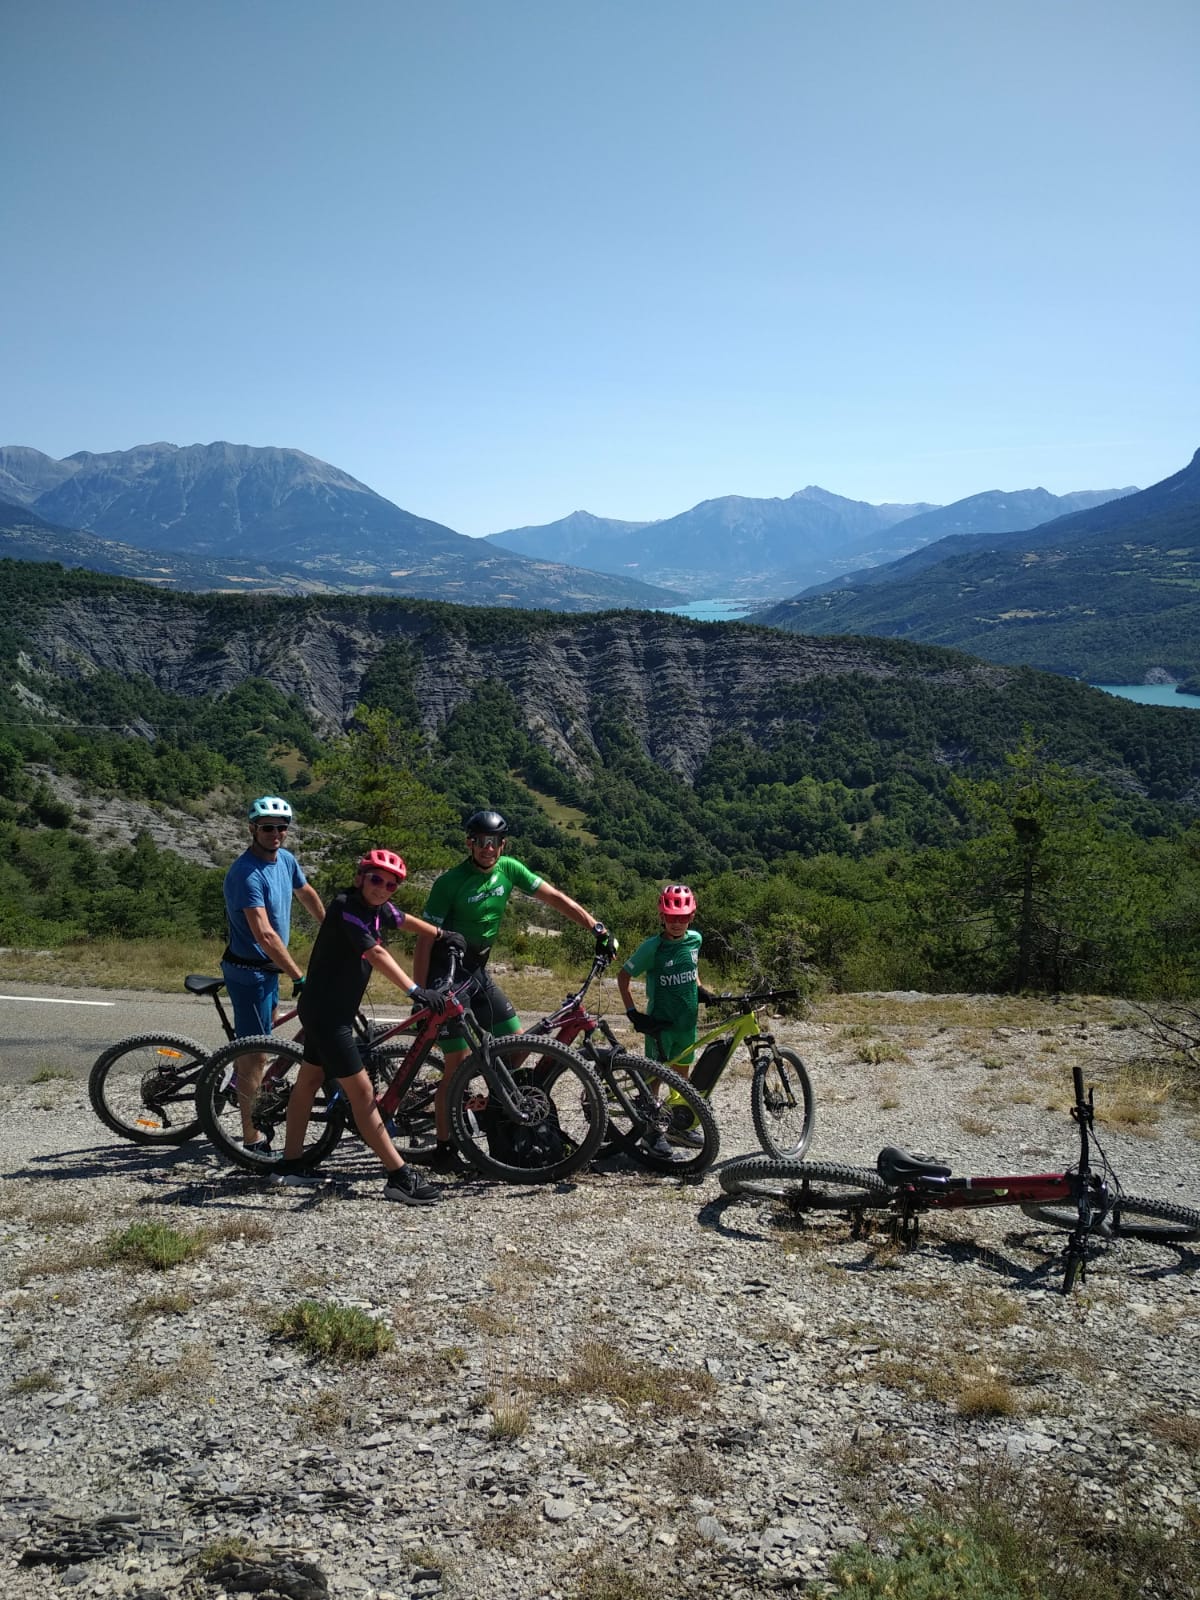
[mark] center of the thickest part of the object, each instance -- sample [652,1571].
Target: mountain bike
[1086,1203]
[782,1104]
[522,1108]
[637,1118]
[144,1087]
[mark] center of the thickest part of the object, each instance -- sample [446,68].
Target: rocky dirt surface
[619,1388]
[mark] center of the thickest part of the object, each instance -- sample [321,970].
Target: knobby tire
[144,1088]
[549,1073]
[1130,1217]
[217,1104]
[631,1132]
[782,1105]
[806,1185]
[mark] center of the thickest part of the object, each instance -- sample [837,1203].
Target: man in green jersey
[471,899]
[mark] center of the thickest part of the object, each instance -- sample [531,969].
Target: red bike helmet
[677,900]
[384,861]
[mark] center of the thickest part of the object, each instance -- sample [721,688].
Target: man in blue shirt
[258,905]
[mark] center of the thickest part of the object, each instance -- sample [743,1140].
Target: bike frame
[1080,1187]
[572,1018]
[425,1026]
[740,1029]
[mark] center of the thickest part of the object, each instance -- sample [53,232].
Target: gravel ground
[618,1388]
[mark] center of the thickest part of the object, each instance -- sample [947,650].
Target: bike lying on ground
[522,1108]
[1087,1204]
[639,1123]
[781,1096]
[144,1087]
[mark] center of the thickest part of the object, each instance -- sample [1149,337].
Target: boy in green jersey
[471,899]
[668,961]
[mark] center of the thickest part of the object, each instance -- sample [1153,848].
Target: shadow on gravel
[106,1161]
[712,1215]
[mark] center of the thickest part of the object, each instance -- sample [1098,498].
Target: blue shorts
[254,996]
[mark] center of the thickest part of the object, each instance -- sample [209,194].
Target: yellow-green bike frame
[781,1097]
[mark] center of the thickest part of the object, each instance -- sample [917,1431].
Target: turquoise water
[712,610]
[1152,694]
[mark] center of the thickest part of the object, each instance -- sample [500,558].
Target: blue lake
[713,610]
[1152,694]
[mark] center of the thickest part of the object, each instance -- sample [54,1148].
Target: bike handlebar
[758,998]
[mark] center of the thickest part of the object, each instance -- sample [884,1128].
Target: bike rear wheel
[637,1119]
[144,1088]
[218,1101]
[1130,1217]
[559,1089]
[806,1185]
[782,1104]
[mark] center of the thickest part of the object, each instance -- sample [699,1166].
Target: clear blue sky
[502,259]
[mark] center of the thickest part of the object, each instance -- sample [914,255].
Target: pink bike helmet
[384,861]
[677,900]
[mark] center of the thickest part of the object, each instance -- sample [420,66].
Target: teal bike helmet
[270,808]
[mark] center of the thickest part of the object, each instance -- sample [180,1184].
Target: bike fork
[1075,1259]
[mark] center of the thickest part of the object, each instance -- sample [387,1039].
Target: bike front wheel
[638,1119]
[413,1125]
[144,1088]
[782,1104]
[1130,1217]
[263,1084]
[806,1185]
[561,1096]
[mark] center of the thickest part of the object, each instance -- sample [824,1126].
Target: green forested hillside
[891,816]
[1099,613]
[1104,594]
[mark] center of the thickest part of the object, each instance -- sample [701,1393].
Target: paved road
[45,1026]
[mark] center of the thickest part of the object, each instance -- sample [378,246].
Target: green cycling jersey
[669,968]
[473,903]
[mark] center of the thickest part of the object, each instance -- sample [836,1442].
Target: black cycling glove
[644,1023]
[297,987]
[452,940]
[606,944]
[705,996]
[427,999]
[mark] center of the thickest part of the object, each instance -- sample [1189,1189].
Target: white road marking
[49,1000]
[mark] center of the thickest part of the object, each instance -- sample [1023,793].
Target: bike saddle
[197,985]
[895,1166]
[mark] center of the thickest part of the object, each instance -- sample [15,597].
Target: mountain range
[1110,592]
[234,516]
[737,546]
[747,548]
[227,515]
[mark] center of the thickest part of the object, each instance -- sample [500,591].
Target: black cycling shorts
[491,1008]
[335,1049]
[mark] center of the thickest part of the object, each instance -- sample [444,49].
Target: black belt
[240,961]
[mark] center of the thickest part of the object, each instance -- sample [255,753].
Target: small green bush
[332,1332]
[153,1244]
[935,1561]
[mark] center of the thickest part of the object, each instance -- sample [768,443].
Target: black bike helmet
[486,822]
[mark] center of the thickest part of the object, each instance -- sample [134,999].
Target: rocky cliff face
[680,684]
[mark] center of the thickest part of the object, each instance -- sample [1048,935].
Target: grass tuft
[333,1333]
[154,1245]
[602,1369]
[34,1383]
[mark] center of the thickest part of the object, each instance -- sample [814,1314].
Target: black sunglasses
[495,840]
[272,827]
[382,877]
